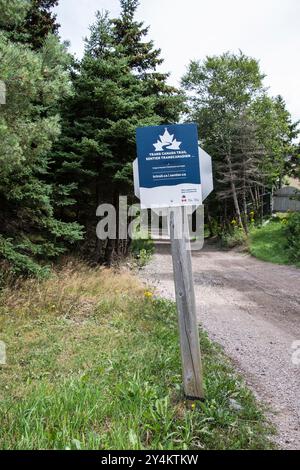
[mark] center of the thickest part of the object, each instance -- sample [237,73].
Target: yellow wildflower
[148,295]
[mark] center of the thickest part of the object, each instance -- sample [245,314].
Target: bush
[292,232]
[237,237]
[19,264]
[142,250]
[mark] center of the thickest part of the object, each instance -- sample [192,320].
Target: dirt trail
[252,309]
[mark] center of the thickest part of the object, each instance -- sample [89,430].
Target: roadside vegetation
[93,362]
[142,250]
[278,240]
[93,359]
[268,243]
[67,142]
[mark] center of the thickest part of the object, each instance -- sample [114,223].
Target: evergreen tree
[231,106]
[29,124]
[240,170]
[294,169]
[37,23]
[98,142]
[222,89]
[277,132]
[97,147]
[13,13]
[130,35]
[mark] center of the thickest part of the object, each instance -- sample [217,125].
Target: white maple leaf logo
[167,140]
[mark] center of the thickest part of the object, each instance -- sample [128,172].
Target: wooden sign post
[186,306]
[172,173]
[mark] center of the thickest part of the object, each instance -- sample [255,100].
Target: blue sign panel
[169,168]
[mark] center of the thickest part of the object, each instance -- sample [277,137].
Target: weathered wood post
[172,173]
[186,305]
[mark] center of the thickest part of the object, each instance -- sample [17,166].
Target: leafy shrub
[292,231]
[237,237]
[212,229]
[142,250]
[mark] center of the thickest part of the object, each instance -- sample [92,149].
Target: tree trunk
[234,193]
[245,198]
[262,204]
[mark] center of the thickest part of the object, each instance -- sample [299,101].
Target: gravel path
[252,309]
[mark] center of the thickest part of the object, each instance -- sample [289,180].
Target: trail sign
[168,166]
[173,174]
[206,175]
[207,181]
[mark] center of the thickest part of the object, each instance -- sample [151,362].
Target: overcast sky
[268,30]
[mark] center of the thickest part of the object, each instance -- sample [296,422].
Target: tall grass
[94,363]
[269,243]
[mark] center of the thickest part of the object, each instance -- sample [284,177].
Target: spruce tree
[128,33]
[37,23]
[98,143]
[229,102]
[144,59]
[116,90]
[29,124]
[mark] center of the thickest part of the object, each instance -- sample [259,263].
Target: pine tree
[13,13]
[130,35]
[37,23]
[223,88]
[242,174]
[98,143]
[111,99]
[29,124]
[40,22]
[277,132]
[231,106]
[294,168]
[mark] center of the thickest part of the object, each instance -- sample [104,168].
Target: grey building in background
[286,199]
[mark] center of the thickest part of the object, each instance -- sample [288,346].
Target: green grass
[236,237]
[94,363]
[268,243]
[142,250]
